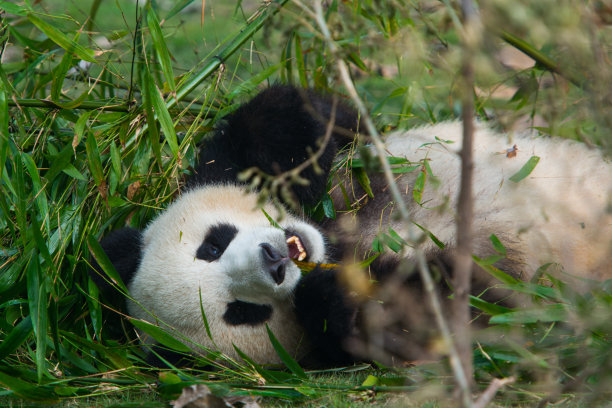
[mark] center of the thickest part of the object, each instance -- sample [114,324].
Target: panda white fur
[560,213]
[215,243]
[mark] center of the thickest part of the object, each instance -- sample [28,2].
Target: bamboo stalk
[462,268]
[87,105]
[252,27]
[255,23]
[539,57]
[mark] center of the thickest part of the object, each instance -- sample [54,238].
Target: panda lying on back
[213,243]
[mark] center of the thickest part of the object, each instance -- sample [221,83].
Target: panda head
[214,250]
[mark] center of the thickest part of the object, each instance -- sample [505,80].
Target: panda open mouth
[296,248]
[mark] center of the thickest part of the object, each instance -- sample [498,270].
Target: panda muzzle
[274,262]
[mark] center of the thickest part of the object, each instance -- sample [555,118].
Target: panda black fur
[213,241]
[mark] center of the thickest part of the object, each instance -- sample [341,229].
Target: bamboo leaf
[328,207]
[72,171]
[105,263]
[93,159]
[543,313]
[496,273]
[364,181]
[299,59]
[16,337]
[285,357]
[487,307]
[59,72]
[160,47]
[164,118]
[178,7]
[206,326]
[41,197]
[419,186]
[27,390]
[160,335]
[497,245]
[525,170]
[79,128]
[60,39]
[250,84]
[4,130]
[11,8]
[38,311]
[153,131]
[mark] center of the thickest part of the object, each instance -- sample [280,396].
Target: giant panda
[220,251]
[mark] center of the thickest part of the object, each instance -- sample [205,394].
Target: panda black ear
[124,249]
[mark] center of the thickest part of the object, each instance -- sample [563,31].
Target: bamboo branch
[539,57]
[462,267]
[252,27]
[107,105]
[66,104]
[491,390]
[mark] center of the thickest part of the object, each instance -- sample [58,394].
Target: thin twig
[491,390]
[133,62]
[280,180]
[371,129]
[462,267]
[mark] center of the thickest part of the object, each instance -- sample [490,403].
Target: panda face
[214,244]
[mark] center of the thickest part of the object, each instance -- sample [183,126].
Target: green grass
[72,168]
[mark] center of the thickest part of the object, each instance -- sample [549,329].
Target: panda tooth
[294,240]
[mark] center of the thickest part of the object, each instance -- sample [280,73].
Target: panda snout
[274,262]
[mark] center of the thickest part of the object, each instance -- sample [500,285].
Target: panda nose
[274,262]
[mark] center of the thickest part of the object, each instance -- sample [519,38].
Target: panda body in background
[214,244]
[560,213]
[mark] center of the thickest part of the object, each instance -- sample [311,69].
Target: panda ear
[124,249]
[277,131]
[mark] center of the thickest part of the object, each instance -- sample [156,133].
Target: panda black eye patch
[216,241]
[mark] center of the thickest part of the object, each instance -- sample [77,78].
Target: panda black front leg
[328,317]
